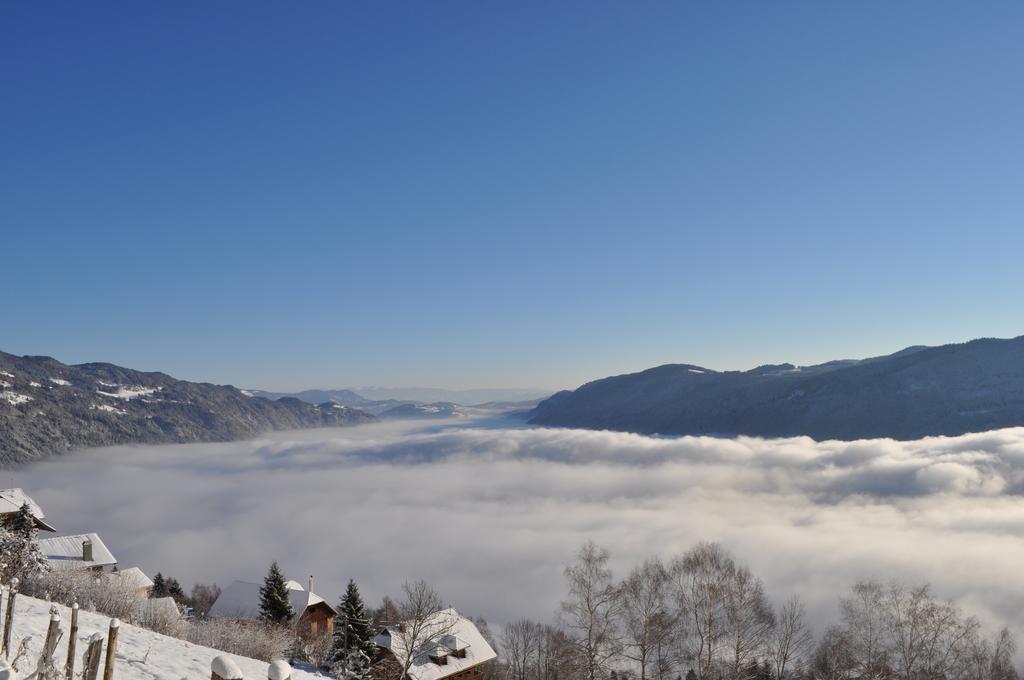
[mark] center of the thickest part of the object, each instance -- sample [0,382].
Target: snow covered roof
[457,640]
[241,600]
[133,576]
[66,552]
[158,607]
[11,501]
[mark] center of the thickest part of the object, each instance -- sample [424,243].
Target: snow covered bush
[94,592]
[161,616]
[246,638]
[20,556]
[315,649]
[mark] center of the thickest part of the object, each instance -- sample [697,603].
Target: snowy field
[141,654]
[490,514]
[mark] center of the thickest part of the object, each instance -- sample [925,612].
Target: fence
[222,667]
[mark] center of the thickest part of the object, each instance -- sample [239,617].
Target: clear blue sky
[466,194]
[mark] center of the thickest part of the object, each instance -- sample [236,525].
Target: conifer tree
[352,648]
[19,552]
[274,604]
[159,587]
[175,590]
[23,524]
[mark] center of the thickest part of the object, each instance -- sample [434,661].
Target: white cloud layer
[490,515]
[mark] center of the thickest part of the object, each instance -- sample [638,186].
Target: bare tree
[791,639]
[749,620]
[203,597]
[1001,665]
[700,582]
[420,626]
[556,655]
[519,646]
[928,638]
[591,610]
[648,620]
[865,630]
[833,659]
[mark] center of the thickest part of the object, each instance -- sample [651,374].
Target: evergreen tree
[159,587]
[274,604]
[19,553]
[23,524]
[352,648]
[175,590]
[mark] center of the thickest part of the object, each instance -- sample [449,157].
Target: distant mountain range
[47,407]
[917,392]
[401,405]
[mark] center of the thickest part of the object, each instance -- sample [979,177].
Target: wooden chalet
[458,651]
[241,600]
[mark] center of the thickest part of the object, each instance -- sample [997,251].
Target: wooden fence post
[108,663]
[279,670]
[223,668]
[91,659]
[9,618]
[45,669]
[69,665]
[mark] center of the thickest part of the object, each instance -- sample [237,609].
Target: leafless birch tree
[791,640]
[648,619]
[421,624]
[520,643]
[591,609]
[700,582]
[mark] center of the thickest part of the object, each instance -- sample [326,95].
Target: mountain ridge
[48,408]
[915,392]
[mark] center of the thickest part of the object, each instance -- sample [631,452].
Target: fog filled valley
[490,513]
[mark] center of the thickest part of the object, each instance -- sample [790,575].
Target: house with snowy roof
[11,501]
[81,551]
[455,651]
[134,579]
[241,600]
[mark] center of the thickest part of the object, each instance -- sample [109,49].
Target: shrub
[253,639]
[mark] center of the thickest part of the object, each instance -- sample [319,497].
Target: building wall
[316,621]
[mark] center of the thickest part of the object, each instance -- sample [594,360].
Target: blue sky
[470,194]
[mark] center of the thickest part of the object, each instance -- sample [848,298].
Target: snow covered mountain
[914,393]
[47,407]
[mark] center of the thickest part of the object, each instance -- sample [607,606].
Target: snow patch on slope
[14,398]
[128,392]
[109,409]
[141,654]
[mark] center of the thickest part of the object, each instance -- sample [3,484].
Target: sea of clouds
[490,514]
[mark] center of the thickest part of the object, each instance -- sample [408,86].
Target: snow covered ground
[141,654]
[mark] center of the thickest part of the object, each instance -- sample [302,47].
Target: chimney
[87,550]
[310,584]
